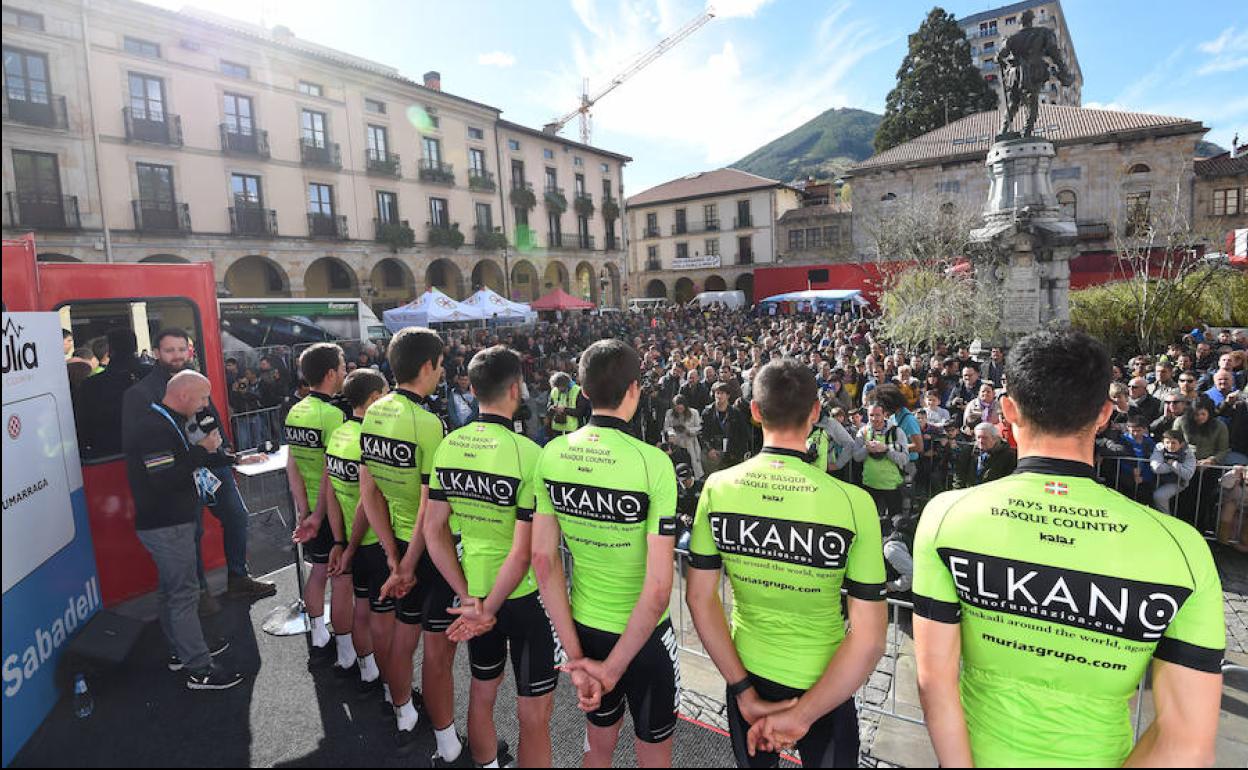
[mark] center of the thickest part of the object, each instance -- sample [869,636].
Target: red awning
[561,300]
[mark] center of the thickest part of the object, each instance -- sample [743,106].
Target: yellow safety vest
[568,401]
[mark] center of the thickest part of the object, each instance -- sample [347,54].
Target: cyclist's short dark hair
[410,349]
[318,361]
[492,371]
[608,368]
[786,392]
[1059,380]
[361,384]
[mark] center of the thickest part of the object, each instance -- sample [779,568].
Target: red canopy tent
[561,300]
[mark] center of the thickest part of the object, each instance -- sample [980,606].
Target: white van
[733,300]
[640,304]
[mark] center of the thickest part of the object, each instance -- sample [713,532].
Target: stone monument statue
[1026,72]
[1026,242]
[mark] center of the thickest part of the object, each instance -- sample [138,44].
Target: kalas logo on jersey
[309,438]
[598,503]
[475,485]
[792,542]
[1127,609]
[387,451]
[343,470]
[18,356]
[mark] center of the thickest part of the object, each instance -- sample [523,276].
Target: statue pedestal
[1025,243]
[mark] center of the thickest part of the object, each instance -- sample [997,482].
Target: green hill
[822,148]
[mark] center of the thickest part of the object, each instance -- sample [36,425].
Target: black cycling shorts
[370,568]
[428,603]
[522,628]
[317,549]
[832,740]
[359,574]
[650,685]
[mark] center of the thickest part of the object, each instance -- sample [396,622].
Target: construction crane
[640,63]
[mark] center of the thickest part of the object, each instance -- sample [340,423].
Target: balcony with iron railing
[488,237]
[43,212]
[333,226]
[554,240]
[313,152]
[239,140]
[651,232]
[382,228]
[653,265]
[382,162]
[481,180]
[741,223]
[436,171]
[585,241]
[156,128]
[745,257]
[520,184]
[51,114]
[612,242]
[161,217]
[253,221]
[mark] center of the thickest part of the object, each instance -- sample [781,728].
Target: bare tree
[928,290]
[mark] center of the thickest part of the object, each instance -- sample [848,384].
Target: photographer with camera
[683,426]
[884,453]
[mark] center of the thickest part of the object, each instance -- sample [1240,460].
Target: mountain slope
[822,148]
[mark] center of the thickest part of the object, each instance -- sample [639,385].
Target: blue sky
[759,69]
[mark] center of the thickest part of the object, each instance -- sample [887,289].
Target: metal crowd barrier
[1216,511]
[252,429]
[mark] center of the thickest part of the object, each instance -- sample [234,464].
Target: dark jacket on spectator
[151,390]
[1001,462]
[1149,407]
[99,406]
[734,426]
[696,394]
[160,463]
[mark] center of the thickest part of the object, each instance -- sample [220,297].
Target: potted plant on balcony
[584,206]
[556,202]
[448,237]
[523,197]
[397,236]
[610,210]
[489,240]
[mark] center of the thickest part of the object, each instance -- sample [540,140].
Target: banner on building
[50,584]
[695,263]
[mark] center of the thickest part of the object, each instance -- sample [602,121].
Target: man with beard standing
[173,354]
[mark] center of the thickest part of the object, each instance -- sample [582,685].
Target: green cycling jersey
[609,491]
[1064,590]
[484,470]
[309,425]
[789,537]
[342,460]
[397,443]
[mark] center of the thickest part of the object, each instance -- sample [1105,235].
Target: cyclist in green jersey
[613,498]
[483,480]
[790,537]
[342,462]
[397,443]
[1055,592]
[309,424]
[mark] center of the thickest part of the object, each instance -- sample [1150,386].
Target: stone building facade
[816,233]
[1220,193]
[1110,167]
[705,232]
[988,30]
[136,134]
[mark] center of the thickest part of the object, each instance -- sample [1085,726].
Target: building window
[814,238]
[155,186]
[712,247]
[578,185]
[321,199]
[831,235]
[432,114]
[26,77]
[682,251]
[433,151]
[652,253]
[710,216]
[513,145]
[147,98]
[238,118]
[38,181]
[310,89]
[485,217]
[1226,202]
[476,161]
[606,189]
[604,168]
[1137,212]
[797,239]
[548,154]
[552,180]
[1011,20]
[142,47]
[236,70]
[23,19]
[1139,168]
[652,225]
[439,212]
[682,222]
[476,133]
[314,129]
[577,160]
[517,174]
[1068,202]
[378,146]
[387,207]
[374,106]
[246,191]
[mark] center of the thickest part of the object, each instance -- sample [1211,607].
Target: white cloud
[496,59]
[1115,106]
[715,96]
[1229,51]
[727,9]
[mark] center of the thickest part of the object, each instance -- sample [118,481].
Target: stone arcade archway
[256,276]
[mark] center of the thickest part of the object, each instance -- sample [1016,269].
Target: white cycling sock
[449,746]
[346,650]
[368,669]
[320,634]
[406,716]
[492,763]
